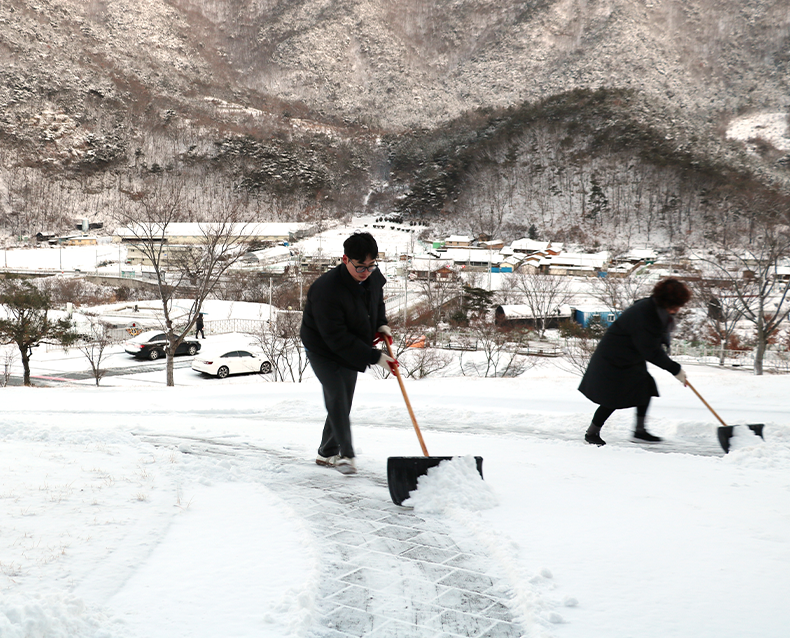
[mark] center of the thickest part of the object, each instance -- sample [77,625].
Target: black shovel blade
[725,434]
[757,428]
[403,472]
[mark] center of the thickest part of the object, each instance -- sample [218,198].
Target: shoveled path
[393,574]
[388,572]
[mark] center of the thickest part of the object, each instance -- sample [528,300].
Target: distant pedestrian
[199,327]
[617,375]
[343,317]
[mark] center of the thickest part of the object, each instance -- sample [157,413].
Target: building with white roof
[529,246]
[183,237]
[196,232]
[458,240]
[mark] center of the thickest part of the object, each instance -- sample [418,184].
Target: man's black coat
[617,375]
[341,316]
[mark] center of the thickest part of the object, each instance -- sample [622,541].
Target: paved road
[54,377]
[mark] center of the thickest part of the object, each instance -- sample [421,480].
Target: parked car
[152,344]
[231,360]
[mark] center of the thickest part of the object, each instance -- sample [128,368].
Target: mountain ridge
[320,108]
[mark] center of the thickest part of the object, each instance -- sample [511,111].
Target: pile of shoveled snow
[454,483]
[748,449]
[54,615]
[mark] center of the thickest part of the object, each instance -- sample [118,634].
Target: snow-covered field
[137,510]
[134,510]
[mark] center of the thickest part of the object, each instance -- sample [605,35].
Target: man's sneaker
[345,465]
[644,435]
[594,439]
[327,461]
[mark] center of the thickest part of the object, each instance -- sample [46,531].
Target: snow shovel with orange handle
[404,471]
[725,431]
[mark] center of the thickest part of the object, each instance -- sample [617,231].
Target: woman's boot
[641,434]
[593,435]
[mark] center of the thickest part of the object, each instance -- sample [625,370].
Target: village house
[578,264]
[534,263]
[271,260]
[458,241]
[438,269]
[521,315]
[585,316]
[530,246]
[184,237]
[77,240]
[471,258]
[493,244]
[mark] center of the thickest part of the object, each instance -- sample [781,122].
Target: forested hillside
[596,122]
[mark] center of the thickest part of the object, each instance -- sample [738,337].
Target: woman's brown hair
[671,293]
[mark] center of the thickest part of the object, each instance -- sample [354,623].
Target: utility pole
[489,269]
[270,303]
[406,294]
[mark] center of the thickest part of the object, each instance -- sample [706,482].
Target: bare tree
[752,273]
[580,343]
[275,349]
[8,359]
[294,360]
[721,306]
[509,292]
[485,205]
[192,271]
[577,353]
[415,352]
[421,362]
[283,346]
[618,293]
[544,294]
[499,349]
[438,293]
[94,344]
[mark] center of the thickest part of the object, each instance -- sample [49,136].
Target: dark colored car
[152,344]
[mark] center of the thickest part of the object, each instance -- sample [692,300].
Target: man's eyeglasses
[361,269]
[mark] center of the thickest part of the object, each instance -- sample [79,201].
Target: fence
[710,355]
[216,327]
[536,349]
[707,355]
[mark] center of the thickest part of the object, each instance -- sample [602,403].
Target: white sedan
[221,363]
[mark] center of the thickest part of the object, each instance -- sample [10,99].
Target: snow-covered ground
[67,258]
[133,510]
[138,510]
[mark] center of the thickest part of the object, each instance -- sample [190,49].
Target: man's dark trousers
[338,383]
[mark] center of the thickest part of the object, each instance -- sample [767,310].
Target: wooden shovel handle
[706,403]
[406,398]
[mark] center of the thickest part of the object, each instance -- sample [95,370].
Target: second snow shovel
[404,471]
[725,431]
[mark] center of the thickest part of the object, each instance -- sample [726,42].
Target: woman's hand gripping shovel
[725,432]
[404,471]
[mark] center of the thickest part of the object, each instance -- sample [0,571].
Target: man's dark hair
[671,293]
[361,246]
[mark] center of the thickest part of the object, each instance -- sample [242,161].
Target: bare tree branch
[190,271]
